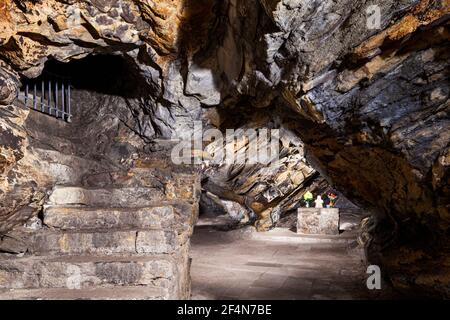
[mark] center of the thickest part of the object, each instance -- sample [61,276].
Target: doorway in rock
[101,132]
[276,257]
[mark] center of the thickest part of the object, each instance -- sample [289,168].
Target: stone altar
[323,221]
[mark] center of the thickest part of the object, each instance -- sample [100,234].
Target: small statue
[308,198]
[333,197]
[319,202]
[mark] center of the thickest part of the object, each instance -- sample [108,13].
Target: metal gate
[49,96]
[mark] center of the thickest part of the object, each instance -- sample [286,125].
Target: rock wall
[262,192]
[377,125]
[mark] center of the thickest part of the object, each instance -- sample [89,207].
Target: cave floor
[245,265]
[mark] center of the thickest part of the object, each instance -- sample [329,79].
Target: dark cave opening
[105,95]
[73,88]
[104,74]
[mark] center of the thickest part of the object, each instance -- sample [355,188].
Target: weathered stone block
[79,218]
[114,293]
[8,87]
[123,197]
[157,241]
[84,243]
[85,272]
[111,242]
[318,221]
[177,216]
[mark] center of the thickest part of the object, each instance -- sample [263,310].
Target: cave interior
[92,205]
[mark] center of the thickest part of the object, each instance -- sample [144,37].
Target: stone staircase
[112,243]
[117,220]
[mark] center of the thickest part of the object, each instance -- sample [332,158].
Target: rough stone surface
[318,221]
[100,197]
[116,293]
[78,273]
[107,242]
[8,86]
[66,218]
[87,249]
[117,224]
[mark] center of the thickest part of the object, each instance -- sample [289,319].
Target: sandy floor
[276,265]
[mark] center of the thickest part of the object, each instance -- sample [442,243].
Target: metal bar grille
[49,96]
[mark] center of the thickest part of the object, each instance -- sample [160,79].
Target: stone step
[106,242]
[288,236]
[117,293]
[44,142]
[65,168]
[112,197]
[318,221]
[86,218]
[55,127]
[80,272]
